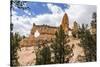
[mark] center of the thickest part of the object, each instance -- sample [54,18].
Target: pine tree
[14,46]
[43,55]
[93,24]
[59,46]
[46,55]
[19,4]
[88,43]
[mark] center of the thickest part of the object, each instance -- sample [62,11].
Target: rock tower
[65,23]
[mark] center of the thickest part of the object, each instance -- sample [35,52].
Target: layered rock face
[46,32]
[44,29]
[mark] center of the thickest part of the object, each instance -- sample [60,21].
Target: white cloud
[54,8]
[49,19]
[21,24]
[80,13]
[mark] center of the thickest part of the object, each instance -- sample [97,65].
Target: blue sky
[50,14]
[36,8]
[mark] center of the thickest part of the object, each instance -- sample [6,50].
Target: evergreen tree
[59,46]
[88,43]
[14,46]
[43,55]
[93,24]
[19,4]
